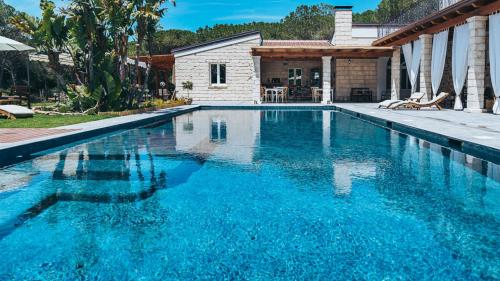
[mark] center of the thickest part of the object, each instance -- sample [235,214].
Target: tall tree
[148,14]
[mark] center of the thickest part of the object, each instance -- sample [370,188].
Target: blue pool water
[251,195]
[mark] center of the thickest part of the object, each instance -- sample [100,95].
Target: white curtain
[495,59]
[459,61]
[439,46]
[415,63]
[407,49]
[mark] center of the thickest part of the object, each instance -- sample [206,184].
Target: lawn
[51,121]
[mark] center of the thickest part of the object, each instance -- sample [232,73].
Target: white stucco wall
[240,73]
[363,35]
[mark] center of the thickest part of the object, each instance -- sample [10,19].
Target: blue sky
[191,14]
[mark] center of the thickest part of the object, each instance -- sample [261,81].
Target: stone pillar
[396,74]
[327,80]
[381,76]
[425,67]
[256,79]
[477,64]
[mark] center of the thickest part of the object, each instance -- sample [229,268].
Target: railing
[417,11]
[445,3]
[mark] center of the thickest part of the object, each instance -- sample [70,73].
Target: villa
[362,62]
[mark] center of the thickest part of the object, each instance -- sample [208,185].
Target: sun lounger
[416,97]
[15,111]
[418,105]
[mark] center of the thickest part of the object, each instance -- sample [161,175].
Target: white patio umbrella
[7,44]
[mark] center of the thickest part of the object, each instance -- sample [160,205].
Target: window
[217,74]
[295,77]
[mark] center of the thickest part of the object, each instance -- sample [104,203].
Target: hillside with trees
[314,22]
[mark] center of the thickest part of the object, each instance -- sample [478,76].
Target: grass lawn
[48,121]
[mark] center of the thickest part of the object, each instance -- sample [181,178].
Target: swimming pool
[251,195]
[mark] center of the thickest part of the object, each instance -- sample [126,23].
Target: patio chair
[416,97]
[316,94]
[264,94]
[281,94]
[419,105]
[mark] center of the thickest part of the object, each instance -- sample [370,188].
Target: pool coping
[16,152]
[20,151]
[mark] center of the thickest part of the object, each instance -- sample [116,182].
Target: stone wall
[279,69]
[240,73]
[360,73]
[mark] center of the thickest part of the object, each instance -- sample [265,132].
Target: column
[381,76]
[477,64]
[425,67]
[396,73]
[327,80]
[256,79]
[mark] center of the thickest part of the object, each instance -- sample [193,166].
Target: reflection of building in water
[227,134]
[344,173]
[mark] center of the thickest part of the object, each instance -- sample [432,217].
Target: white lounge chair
[418,105]
[416,97]
[15,111]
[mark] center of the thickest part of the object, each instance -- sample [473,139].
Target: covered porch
[318,72]
[162,74]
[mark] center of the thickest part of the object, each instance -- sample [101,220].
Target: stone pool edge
[19,151]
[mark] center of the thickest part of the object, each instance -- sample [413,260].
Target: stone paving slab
[21,134]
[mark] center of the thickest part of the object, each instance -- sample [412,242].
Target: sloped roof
[215,42]
[296,43]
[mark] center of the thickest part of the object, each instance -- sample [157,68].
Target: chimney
[343,25]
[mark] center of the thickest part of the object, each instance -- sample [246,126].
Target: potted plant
[188,86]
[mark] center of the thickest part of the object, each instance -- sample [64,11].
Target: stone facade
[425,67]
[343,27]
[240,73]
[359,73]
[477,64]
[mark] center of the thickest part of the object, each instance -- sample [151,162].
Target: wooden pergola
[316,53]
[161,66]
[448,17]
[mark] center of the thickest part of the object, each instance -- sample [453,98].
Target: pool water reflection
[260,195]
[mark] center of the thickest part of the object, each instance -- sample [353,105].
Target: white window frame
[295,76]
[218,73]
